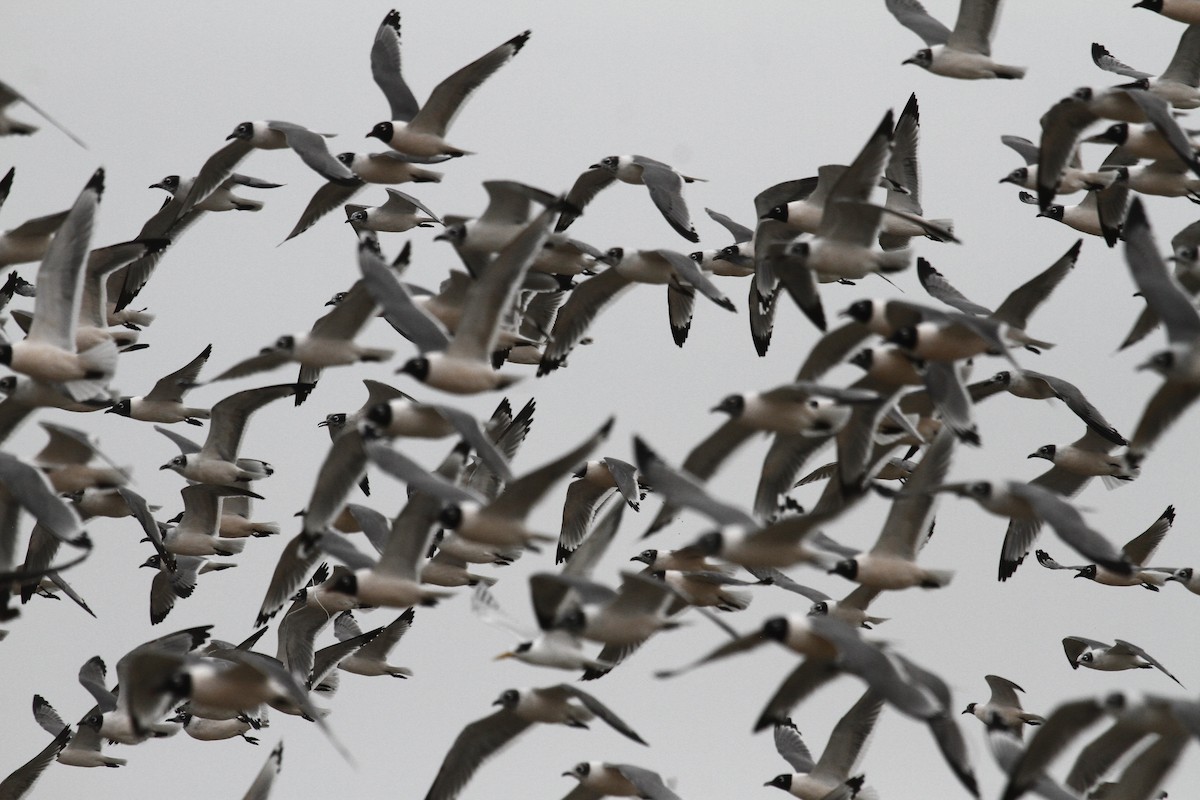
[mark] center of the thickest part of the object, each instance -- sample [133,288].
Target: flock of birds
[525,294]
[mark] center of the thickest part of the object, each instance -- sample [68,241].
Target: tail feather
[895,260]
[100,361]
[937,578]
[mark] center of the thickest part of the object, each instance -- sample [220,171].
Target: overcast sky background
[743,95]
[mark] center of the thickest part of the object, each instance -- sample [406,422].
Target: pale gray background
[743,95]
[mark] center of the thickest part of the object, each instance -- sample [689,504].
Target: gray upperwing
[387,69]
[912,15]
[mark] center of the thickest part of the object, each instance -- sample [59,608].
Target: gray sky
[743,95]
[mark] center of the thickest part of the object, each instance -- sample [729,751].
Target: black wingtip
[766,721]
[642,454]
[911,109]
[1045,197]
[519,41]
[680,334]
[1136,216]
[887,125]
[606,428]
[1099,51]
[96,182]
[816,315]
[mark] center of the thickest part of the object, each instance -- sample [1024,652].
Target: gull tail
[895,260]
[100,362]
[936,578]
[1010,73]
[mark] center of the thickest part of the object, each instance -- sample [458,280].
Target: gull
[391,166]
[602,779]
[815,780]
[1178,363]
[170,585]
[406,417]
[196,532]
[12,127]
[265,134]
[344,465]
[1138,550]
[222,197]
[1072,179]
[554,648]
[1178,82]
[843,246]
[803,407]
[735,260]
[1040,386]
[590,297]
[84,749]
[501,522]
[519,709]
[462,365]
[29,240]
[664,183]
[1086,457]
[1067,119]
[370,660]
[416,130]
[231,680]
[215,730]
[388,167]
[48,353]
[894,469]
[169,223]
[622,618]
[330,343]
[1100,213]
[1017,307]
[393,580]
[115,724]
[217,461]
[164,402]
[891,563]
[954,337]
[851,609]
[964,52]
[1003,708]
[593,484]
[830,647]
[397,215]
[336,422]
[704,589]
[903,179]
[1082,652]
[508,212]
[1029,502]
